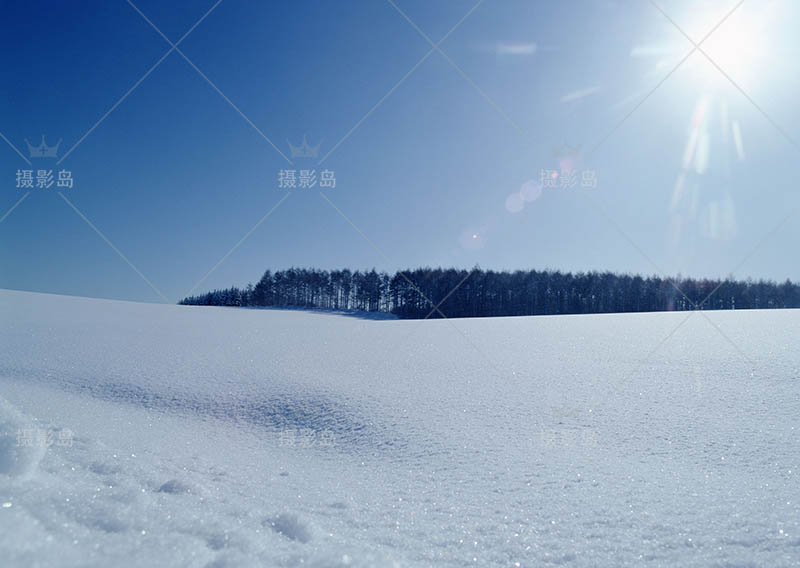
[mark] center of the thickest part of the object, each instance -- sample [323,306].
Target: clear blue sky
[693,181]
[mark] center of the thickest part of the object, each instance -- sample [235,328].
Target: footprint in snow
[288,525]
[175,486]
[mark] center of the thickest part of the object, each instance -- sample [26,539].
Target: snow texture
[16,459]
[136,434]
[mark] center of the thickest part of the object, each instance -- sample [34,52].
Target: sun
[738,48]
[737,57]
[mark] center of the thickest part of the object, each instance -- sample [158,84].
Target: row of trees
[479,293]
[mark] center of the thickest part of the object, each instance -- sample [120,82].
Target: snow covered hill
[136,434]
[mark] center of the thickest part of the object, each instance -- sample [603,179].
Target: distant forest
[436,292]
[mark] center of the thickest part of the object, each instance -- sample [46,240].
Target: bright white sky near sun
[437,161]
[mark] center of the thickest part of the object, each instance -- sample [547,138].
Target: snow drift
[139,434]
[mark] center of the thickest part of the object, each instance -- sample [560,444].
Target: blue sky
[694,175]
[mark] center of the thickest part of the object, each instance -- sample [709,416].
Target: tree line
[437,292]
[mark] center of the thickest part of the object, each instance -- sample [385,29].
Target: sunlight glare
[740,46]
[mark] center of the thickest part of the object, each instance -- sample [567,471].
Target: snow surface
[216,437]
